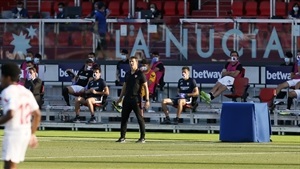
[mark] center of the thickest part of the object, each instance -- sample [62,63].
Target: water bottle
[55,15]
[129,16]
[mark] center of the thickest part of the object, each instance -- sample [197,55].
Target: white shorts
[293,82]
[227,81]
[77,88]
[15,146]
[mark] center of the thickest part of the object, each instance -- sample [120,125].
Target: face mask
[298,57]
[152,9]
[36,60]
[88,67]
[295,8]
[94,75]
[155,59]
[123,57]
[233,59]
[28,58]
[60,9]
[287,60]
[19,9]
[143,68]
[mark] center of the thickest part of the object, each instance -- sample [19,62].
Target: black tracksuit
[132,100]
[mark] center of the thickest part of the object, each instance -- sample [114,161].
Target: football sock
[211,96]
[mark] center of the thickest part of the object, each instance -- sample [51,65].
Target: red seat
[47,7]
[240,87]
[50,39]
[237,8]
[142,5]
[264,8]
[180,7]
[77,39]
[87,8]
[281,9]
[88,39]
[7,38]
[63,38]
[169,8]
[267,95]
[125,8]
[251,8]
[114,7]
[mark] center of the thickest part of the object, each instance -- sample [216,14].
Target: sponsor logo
[277,75]
[206,74]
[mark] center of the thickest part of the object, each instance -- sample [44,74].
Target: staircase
[208,9]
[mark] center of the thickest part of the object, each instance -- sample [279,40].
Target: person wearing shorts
[295,77]
[96,92]
[19,105]
[233,69]
[187,89]
[80,81]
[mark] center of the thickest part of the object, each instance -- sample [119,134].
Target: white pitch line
[162,155]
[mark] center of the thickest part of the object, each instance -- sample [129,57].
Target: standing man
[100,28]
[34,84]
[187,90]
[18,107]
[135,80]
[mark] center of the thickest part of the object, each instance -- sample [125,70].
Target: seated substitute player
[232,70]
[19,106]
[187,89]
[295,76]
[80,81]
[96,92]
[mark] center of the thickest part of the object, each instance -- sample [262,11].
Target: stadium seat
[170,8]
[50,39]
[237,8]
[264,8]
[88,36]
[267,95]
[142,5]
[240,87]
[125,8]
[281,9]
[251,8]
[7,38]
[114,7]
[87,8]
[47,7]
[180,7]
[76,38]
[63,38]
[290,6]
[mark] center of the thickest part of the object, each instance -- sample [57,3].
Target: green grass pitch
[90,150]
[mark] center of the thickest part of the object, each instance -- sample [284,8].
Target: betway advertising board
[208,73]
[62,73]
[277,74]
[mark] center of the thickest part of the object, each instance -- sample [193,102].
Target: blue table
[245,122]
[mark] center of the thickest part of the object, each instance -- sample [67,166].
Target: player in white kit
[21,117]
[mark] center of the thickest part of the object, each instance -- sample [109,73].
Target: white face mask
[60,9]
[19,9]
[152,9]
[28,58]
[298,57]
[287,60]
[143,68]
[123,57]
[295,8]
[36,60]
[88,67]
[233,59]
[29,76]
[95,76]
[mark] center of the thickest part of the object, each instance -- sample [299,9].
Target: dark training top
[134,83]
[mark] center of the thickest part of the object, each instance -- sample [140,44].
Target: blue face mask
[155,59]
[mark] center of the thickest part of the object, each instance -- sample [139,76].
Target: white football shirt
[20,100]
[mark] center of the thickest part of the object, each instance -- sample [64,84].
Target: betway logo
[63,73]
[206,74]
[277,75]
[122,73]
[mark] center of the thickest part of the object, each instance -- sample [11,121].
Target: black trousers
[129,104]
